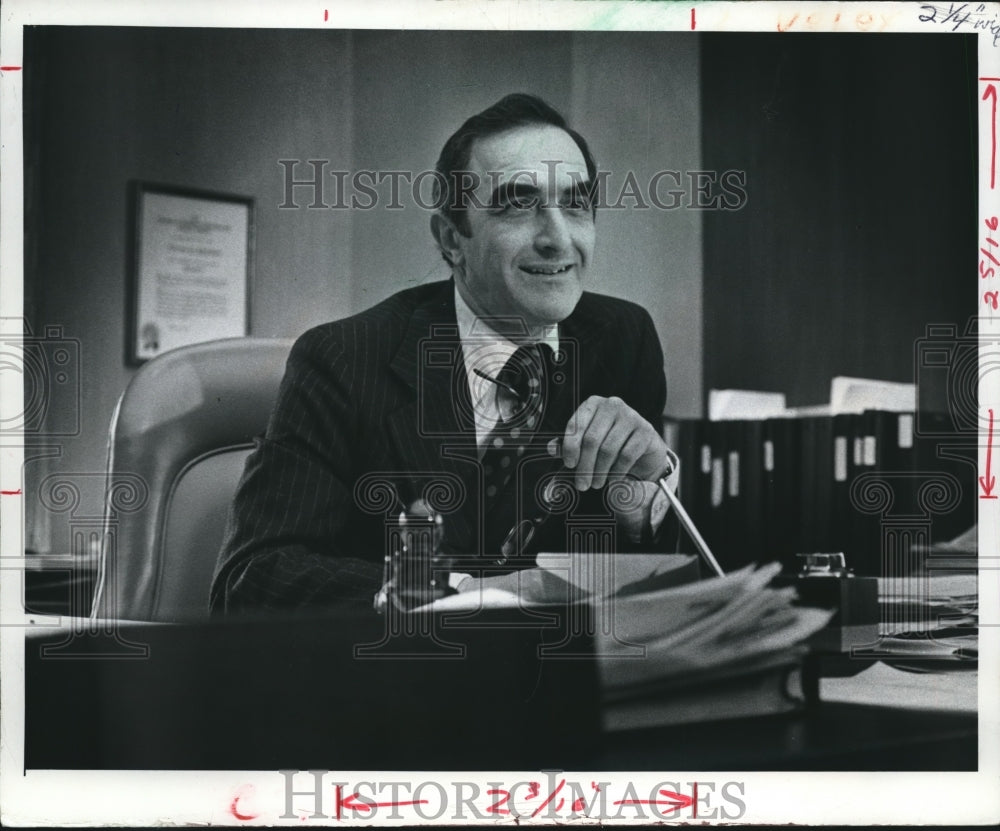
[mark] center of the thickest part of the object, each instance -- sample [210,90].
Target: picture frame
[192,268]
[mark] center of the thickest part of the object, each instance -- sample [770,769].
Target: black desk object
[266,695]
[272,694]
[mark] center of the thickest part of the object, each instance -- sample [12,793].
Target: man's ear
[446,235]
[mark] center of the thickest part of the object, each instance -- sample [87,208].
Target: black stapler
[824,581]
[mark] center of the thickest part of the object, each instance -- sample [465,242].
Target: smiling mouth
[546,271]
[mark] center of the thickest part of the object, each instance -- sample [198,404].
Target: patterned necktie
[521,397]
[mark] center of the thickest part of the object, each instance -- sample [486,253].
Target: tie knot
[525,373]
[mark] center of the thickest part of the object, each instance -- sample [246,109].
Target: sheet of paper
[601,575]
[888,687]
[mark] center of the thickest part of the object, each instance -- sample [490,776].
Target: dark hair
[516,110]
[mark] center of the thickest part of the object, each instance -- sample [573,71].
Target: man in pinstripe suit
[397,404]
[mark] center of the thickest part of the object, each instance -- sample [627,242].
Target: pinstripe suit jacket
[373,411]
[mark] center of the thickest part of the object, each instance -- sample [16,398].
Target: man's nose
[553,230]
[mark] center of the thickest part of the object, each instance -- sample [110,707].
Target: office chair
[179,437]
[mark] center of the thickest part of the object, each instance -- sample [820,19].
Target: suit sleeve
[648,397]
[647,393]
[288,525]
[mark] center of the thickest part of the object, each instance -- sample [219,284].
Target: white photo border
[55,798]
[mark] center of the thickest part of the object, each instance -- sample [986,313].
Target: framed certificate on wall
[192,267]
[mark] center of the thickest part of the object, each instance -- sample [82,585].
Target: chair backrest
[179,438]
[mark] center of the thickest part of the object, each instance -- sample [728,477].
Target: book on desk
[673,649]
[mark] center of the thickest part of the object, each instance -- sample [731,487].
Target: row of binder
[878,486]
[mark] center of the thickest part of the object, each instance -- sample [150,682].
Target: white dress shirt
[488,351]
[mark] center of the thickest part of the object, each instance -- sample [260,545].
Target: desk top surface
[334,693]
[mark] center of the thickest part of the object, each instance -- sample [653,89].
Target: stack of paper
[733,623]
[744,404]
[723,648]
[671,649]
[855,395]
[928,622]
[928,603]
[960,553]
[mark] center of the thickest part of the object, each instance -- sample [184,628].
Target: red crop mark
[675,801]
[692,20]
[11,493]
[326,15]
[351,803]
[245,791]
[10,69]
[550,797]
[988,482]
[497,806]
[990,298]
[991,92]
[789,24]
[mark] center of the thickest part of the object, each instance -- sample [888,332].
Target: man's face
[532,229]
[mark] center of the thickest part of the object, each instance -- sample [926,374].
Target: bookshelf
[865,484]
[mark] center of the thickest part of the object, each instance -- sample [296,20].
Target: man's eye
[517,204]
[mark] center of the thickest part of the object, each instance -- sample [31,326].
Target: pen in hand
[555,449]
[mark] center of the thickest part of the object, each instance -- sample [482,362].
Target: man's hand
[606,439]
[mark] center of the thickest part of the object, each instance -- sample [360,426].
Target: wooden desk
[296,694]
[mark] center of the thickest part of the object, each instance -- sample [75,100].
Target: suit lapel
[433,433]
[583,365]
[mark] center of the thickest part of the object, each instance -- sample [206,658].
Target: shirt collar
[486,350]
